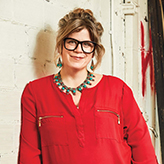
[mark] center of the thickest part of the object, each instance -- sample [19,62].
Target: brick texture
[27,30]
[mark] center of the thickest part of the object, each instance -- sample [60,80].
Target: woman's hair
[75,21]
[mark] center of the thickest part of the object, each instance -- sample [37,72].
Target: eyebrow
[80,41]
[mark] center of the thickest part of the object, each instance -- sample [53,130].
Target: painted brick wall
[27,41]
[27,32]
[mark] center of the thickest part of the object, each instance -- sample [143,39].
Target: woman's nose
[79,48]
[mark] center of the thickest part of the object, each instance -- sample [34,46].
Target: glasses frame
[80,42]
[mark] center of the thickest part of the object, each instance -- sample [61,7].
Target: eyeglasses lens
[72,44]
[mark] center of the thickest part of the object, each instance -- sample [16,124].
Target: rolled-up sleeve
[29,148]
[138,137]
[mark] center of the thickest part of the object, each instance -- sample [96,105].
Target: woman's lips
[77,57]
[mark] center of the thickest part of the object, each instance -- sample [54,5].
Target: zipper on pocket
[40,118]
[118,116]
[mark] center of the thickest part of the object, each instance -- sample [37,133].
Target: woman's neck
[73,78]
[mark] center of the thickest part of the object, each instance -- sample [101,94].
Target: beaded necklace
[64,88]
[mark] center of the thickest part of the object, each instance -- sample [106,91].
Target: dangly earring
[92,65]
[59,64]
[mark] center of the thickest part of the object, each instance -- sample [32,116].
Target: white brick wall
[27,32]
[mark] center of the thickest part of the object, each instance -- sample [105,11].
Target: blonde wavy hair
[75,21]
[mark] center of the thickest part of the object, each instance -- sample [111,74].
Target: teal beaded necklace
[64,88]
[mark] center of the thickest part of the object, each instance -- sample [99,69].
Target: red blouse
[107,128]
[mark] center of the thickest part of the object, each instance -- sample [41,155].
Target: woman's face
[77,59]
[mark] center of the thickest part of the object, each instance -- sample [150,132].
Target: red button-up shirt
[108,127]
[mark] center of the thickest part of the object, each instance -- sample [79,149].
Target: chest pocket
[108,125]
[53,130]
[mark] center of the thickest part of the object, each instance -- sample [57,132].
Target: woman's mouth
[77,57]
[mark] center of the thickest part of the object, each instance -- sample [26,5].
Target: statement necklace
[64,88]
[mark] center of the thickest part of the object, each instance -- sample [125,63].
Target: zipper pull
[40,121]
[118,119]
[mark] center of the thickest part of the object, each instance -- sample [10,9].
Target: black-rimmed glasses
[86,46]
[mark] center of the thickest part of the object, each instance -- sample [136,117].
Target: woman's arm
[137,132]
[29,149]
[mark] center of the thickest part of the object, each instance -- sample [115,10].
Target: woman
[77,117]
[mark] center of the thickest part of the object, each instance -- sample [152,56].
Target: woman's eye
[88,44]
[71,42]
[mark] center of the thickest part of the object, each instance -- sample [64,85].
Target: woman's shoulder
[38,85]
[41,82]
[113,78]
[42,79]
[117,83]
[110,79]
[112,82]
